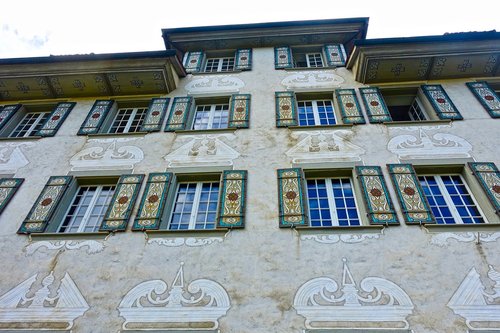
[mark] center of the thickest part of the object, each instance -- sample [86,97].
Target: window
[316,112]
[87,209]
[405,104]
[332,202]
[125,116]
[211,116]
[309,56]
[195,206]
[24,121]
[219,64]
[218,61]
[450,199]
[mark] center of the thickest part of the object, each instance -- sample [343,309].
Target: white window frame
[211,116]
[449,201]
[317,119]
[195,207]
[314,54]
[31,131]
[220,64]
[91,205]
[129,121]
[413,111]
[331,200]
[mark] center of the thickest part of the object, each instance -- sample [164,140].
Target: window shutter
[8,187]
[489,177]
[239,111]
[155,115]
[179,112]
[487,97]
[44,207]
[375,105]
[283,57]
[7,112]
[56,118]
[232,199]
[153,201]
[292,208]
[96,117]
[193,61]
[335,55]
[122,203]
[377,199]
[410,194]
[442,104]
[243,61]
[349,106]
[286,113]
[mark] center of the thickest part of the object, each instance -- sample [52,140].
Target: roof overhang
[291,33]
[450,56]
[89,75]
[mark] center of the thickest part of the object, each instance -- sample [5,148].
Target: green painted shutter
[489,177]
[153,201]
[232,199]
[335,55]
[122,203]
[292,208]
[7,112]
[44,207]
[349,106]
[179,112]
[56,118]
[8,187]
[375,105]
[243,60]
[411,196]
[155,115]
[286,113]
[96,117]
[377,198]
[487,97]
[283,57]
[441,102]
[239,111]
[194,61]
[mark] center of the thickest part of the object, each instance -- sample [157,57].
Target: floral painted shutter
[487,97]
[410,194]
[56,118]
[441,102]
[349,106]
[286,113]
[283,57]
[194,61]
[232,199]
[243,60]
[292,208]
[153,201]
[7,112]
[8,187]
[44,207]
[239,111]
[489,178]
[96,117]
[378,201]
[122,203]
[375,105]
[155,115]
[335,55]
[179,112]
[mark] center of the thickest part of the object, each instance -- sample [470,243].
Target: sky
[32,28]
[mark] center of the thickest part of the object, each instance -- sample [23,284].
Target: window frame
[212,111]
[37,125]
[113,113]
[417,98]
[220,64]
[129,122]
[316,115]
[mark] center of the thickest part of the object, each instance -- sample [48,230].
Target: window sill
[417,123]
[31,138]
[320,127]
[208,131]
[107,135]
[480,227]
[216,73]
[295,69]
[365,229]
[186,233]
[70,236]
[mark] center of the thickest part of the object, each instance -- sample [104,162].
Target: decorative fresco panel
[292,207]
[335,55]
[243,61]
[232,199]
[410,194]
[8,187]
[239,111]
[286,113]
[155,115]
[349,106]
[56,119]
[178,113]
[95,117]
[487,97]
[489,178]
[193,61]
[442,104]
[375,105]
[153,201]
[7,112]
[283,57]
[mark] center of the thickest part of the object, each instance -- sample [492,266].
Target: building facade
[278,177]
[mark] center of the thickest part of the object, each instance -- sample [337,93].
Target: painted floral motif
[291,208]
[232,204]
